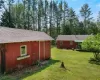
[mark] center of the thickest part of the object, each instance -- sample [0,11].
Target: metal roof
[72,37]
[10,35]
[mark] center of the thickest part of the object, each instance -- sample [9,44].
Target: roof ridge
[17,29]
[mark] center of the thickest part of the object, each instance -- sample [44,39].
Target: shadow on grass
[19,75]
[93,61]
[39,69]
[80,50]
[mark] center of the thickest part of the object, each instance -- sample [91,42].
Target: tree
[86,14]
[17,13]
[28,13]
[7,13]
[53,17]
[98,20]
[81,28]
[93,29]
[50,16]
[56,16]
[5,20]
[65,12]
[92,44]
[40,14]
[72,18]
[46,17]
[16,19]
[24,16]
[60,16]
[1,3]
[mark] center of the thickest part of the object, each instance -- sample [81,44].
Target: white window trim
[23,57]
[25,50]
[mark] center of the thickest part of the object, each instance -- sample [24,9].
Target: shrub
[92,43]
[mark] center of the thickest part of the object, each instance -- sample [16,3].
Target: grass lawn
[76,62]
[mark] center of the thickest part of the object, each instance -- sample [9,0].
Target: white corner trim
[23,57]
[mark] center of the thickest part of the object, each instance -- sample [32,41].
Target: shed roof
[72,37]
[9,35]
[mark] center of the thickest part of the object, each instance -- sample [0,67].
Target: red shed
[70,41]
[21,48]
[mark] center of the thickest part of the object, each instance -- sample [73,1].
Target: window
[61,43]
[71,42]
[23,50]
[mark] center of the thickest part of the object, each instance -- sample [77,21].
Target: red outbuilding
[70,41]
[21,48]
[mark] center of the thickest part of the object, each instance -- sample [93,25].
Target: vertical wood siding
[66,44]
[13,52]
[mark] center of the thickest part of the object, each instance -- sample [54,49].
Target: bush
[92,43]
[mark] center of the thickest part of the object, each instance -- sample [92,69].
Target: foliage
[86,15]
[92,44]
[53,17]
[86,12]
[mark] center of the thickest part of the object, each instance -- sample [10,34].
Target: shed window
[61,42]
[23,50]
[71,42]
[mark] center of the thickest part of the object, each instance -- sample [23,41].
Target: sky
[76,5]
[93,4]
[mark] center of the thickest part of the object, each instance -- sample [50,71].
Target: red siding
[0,59]
[41,50]
[47,49]
[35,51]
[13,52]
[66,44]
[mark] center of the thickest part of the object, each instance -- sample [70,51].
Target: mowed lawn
[76,62]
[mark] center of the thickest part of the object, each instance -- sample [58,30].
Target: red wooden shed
[20,48]
[70,41]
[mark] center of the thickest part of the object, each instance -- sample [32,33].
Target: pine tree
[86,14]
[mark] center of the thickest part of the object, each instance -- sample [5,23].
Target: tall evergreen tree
[34,8]
[71,18]
[50,16]
[98,20]
[86,14]
[46,17]
[65,12]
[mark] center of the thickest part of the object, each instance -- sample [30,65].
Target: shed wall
[13,52]
[66,44]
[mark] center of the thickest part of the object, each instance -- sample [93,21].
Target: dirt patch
[28,70]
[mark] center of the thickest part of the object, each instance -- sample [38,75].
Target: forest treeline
[52,17]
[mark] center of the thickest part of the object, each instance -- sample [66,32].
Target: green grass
[76,62]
